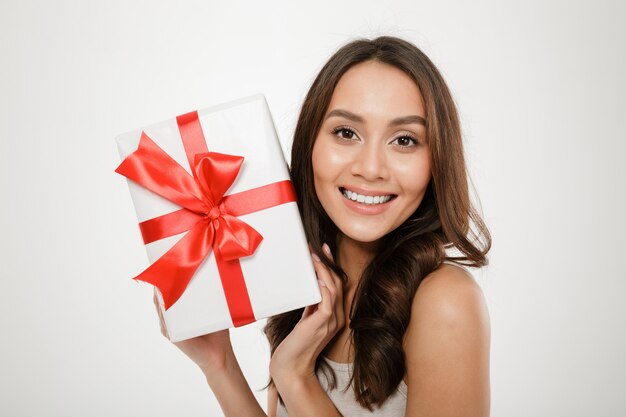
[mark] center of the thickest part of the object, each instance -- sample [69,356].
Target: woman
[379,171]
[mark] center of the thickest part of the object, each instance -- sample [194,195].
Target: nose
[370,162]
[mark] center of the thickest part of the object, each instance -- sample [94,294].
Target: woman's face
[371,160]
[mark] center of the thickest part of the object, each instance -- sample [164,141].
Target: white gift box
[279,276]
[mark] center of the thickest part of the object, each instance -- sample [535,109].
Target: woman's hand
[209,351]
[297,353]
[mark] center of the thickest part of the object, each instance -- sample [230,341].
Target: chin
[362,236]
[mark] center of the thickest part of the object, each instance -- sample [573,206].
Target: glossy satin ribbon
[209,217]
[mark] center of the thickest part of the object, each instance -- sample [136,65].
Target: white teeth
[367,199]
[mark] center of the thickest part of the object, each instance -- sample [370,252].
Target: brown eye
[344,133]
[348,131]
[406,141]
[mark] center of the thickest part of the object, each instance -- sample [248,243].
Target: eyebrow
[404,120]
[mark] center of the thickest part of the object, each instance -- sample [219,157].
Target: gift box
[218,216]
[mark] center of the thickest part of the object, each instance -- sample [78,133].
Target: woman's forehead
[376,90]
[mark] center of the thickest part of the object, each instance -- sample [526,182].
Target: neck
[353,257]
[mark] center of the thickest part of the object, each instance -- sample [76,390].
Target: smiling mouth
[367,199]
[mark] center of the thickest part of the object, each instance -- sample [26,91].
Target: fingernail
[326,249]
[321,282]
[317,258]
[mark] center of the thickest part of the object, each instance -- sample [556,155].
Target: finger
[308,310]
[314,254]
[331,305]
[326,313]
[324,274]
[336,279]
[337,290]
[326,306]
[315,309]
[161,318]
[158,308]
[338,299]
[327,251]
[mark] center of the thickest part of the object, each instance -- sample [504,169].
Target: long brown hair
[445,219]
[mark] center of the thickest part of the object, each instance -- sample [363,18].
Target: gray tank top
[394,406]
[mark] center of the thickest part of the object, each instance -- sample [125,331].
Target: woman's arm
[302,396]
[232,390]
[447,347]
[305,396]
[213,353]
[292,366]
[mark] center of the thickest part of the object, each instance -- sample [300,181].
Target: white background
[541,90]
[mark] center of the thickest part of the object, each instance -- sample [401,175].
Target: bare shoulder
[448,303]
[450,293]
[447,346]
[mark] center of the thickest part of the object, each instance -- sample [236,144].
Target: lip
[362,208]
[366,192]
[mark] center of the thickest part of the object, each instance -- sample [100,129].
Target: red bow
[207,214]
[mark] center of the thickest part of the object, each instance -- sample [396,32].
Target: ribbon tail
[172,272]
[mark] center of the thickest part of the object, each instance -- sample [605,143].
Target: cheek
[330,160]
[317,161]
[321,174]
[414,175]
[325,161]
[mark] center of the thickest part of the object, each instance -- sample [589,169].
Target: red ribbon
[209,217]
